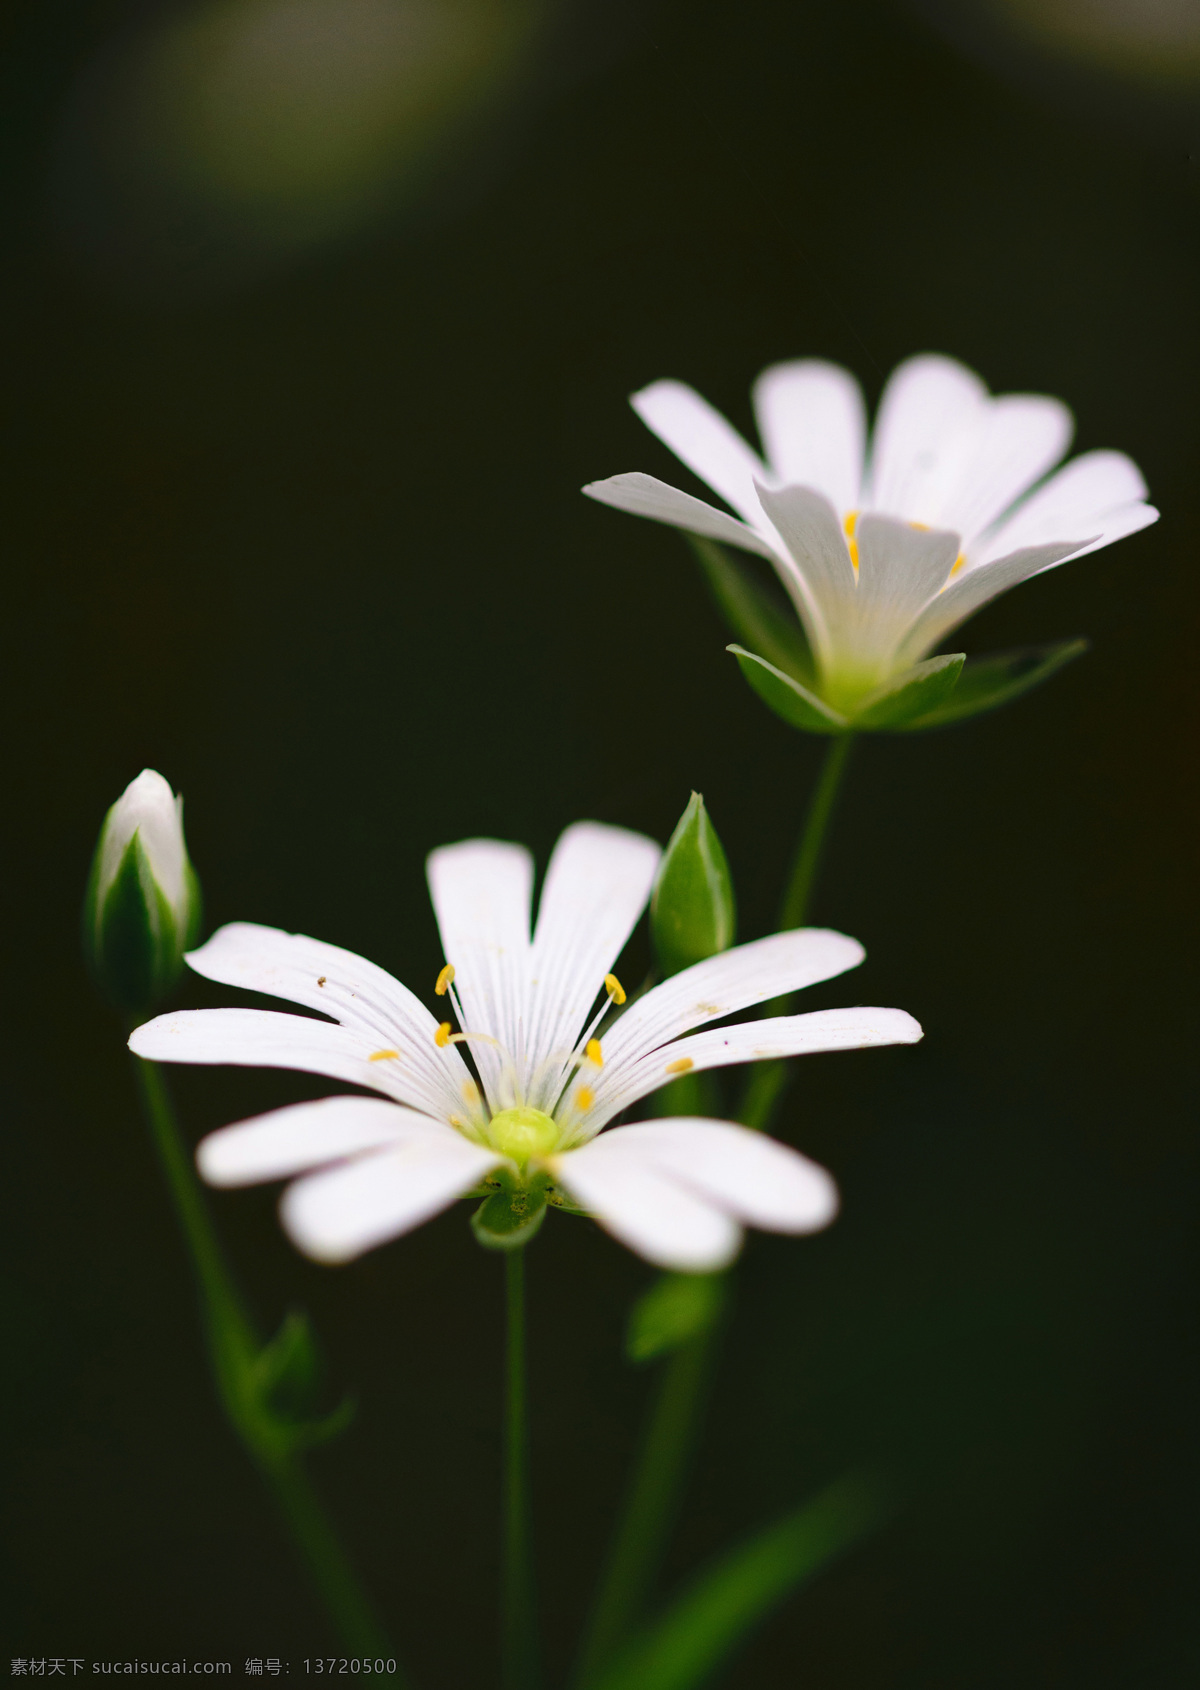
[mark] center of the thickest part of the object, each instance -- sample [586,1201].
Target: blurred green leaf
[282,1382]
[692,1640]
[755,614]
[987,682]
[797,706]
[678,1307]
[913,693]
[692,910]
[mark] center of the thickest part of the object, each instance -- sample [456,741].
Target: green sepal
[789,699]
[988,682]
[755,614]
[510,1217]
[914,692]
[693,913]
[130,942]
[285,1378]
[679,1306]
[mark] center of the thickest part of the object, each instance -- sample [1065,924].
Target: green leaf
[789,699]
[754,613]
[509,1218]
[692,910]
[283,1381]
[988,682]
[288,1367]
[692,1640]
[677,1307]
[913,693]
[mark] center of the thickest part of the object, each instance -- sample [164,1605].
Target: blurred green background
[306,354]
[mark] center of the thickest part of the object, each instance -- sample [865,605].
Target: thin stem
[796,899]
[767,1080]
[233,1348]
[652,1505]
[520,1626]
[662,1465]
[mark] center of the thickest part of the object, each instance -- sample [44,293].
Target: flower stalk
[519,1618]
[235,1354]
[664,1461]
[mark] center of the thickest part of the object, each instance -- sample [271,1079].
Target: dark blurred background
[316,314]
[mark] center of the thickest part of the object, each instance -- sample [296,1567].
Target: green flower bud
[142,909]
[692,910]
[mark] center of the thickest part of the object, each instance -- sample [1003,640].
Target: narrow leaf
[694,1638]
[677,1307]
[755,614]
[798,707]
[987,682]
[914,693]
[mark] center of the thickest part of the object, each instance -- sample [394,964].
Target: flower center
[522,1133]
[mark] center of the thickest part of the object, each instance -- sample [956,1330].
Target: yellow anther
[383,1055]
[442,1037]
[959,563]
[681,1067]
[593,1052]
[853,548]
[444,979]
[614,988]
[850,524]
[921,527]
[584,1097]
[470,1093]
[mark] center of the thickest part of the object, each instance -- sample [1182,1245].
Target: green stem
[519,1619]
[662,1465]
[796,899]
[767,1080]
[652,1505]
[233,1348]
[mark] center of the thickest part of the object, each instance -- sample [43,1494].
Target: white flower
[547,1076]
[884,550]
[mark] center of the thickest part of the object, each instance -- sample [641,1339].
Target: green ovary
[523,1133]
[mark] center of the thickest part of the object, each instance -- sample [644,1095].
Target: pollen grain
[683,1066]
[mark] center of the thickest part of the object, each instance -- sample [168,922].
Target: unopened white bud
[142,909]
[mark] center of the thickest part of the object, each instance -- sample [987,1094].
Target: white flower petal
[900,568]
[720,986]
[482,891]
[973,589]
[859,1028]
[644,495]
[335,1215]
[757,1180]
[646,1208]
[597,885]
[348,987]
[813,424]
[1079,500]
[307,1135]
[263,1038]
[929,408]
[702,439]
[1015,440]
[809,527]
